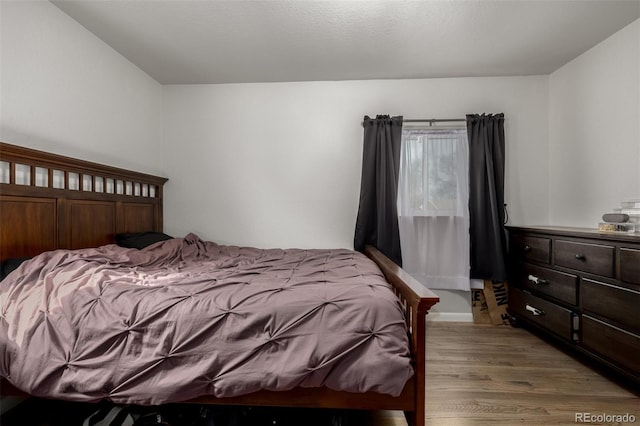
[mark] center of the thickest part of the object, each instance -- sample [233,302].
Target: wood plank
[28,226]
[499,375]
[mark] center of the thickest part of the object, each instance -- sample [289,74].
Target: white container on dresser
[583,288]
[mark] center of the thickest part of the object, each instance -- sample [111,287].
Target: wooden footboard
[417,300]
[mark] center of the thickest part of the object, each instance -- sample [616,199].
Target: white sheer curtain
[433,207]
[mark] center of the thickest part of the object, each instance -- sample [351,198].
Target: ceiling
[239,41]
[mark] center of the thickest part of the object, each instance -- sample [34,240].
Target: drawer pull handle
[581,257]
[535,311]
[527,248]
[537,280]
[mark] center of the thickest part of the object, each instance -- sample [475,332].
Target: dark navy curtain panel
[488,243]
[377,221]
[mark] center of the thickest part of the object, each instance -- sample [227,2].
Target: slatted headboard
[49,201]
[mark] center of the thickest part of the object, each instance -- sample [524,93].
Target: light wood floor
[499,375]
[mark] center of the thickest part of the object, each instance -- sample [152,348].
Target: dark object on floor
[267,416]
[43,412]
[210,415]
[110,416]
[152,419]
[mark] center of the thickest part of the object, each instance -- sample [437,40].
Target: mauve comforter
[185,318]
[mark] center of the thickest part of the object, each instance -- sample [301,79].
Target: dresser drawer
[559,285]
[615,344]
[630,265]
[593,258]
[542,312]
[533,249]
[616,303]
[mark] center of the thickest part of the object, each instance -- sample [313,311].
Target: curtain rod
[430,120]
[433,120]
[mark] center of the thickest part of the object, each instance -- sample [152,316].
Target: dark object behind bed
[140,240]
[10,265]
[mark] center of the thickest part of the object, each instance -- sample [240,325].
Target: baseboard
[450,316]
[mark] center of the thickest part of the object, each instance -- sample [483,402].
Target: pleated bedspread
[185,318]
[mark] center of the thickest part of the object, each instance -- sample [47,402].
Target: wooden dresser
[581,287]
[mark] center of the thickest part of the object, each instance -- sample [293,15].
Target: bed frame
[48,202]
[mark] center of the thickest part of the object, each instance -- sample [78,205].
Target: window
[433,206]
[433,172]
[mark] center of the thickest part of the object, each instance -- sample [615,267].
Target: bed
[50,202]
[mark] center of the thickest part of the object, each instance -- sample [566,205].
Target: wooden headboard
[49,201]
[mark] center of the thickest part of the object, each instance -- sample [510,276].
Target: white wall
[594,131]
[278,164]
[63,90]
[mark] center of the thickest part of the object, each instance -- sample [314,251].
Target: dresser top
[569,231]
